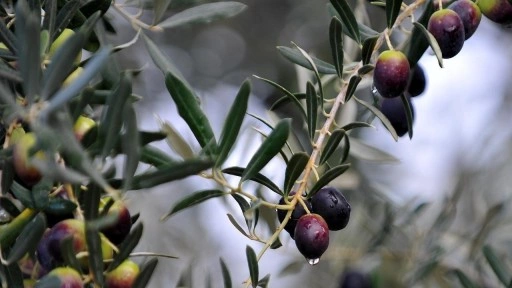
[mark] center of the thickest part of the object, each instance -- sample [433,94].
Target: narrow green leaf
[365,69]
[268,149]
[7,176]
[348,18]
[295,57]
[276,244]
[40,193]
[52,170]
[8,73]
[92,202]
[237,226]
[64,16]
[131,145]
[162,61]
[328,176]
[68,253]
[315,70]
[464,280]
[14,276]
[431,41]
[23,195]
[252,261]
[193,200]
[176,141]
[332,143]
[352,86]
[367,50]
[93,240]
[366,152]
[345,149]
[29,58]
[365,32]
[111,123]
[263,282]
[379,115]
[270,126]
[170,172]
[417,43]
[145,274]
[354,125]
[287,93]
[50,16]
[189,109]
[336,40]
[91,70]
[147,137]
[225,274]
[312,109]
[497,265]
[244,206]
[392,11]
[408,113]
[155,156]
[233,122]
[285,99]
[204,13]
[258,178]
[294,169]
[28,238]
[8,38]
[62,64]
[8,205]
[159,9]
[127,246]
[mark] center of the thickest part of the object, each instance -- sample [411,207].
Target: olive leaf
[431,41]
[225,274]
[294,169]
[252,260]
[327,177]
[497,265]
[348,18]
[379,115]
[287,93]
[295,56]
[193,200]
[312,109]
[392,11]
[204,13]
[233,122]
[336,41]
[268,149]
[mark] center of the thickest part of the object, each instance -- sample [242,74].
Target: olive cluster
[329,210]
[451,27]
[49,263]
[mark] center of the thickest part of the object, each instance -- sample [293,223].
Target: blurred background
[426,209]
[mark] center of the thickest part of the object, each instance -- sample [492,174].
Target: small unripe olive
[29,174]
[499,11]
[123,276]
[57,43]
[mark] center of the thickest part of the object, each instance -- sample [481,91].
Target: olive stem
[136,23]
